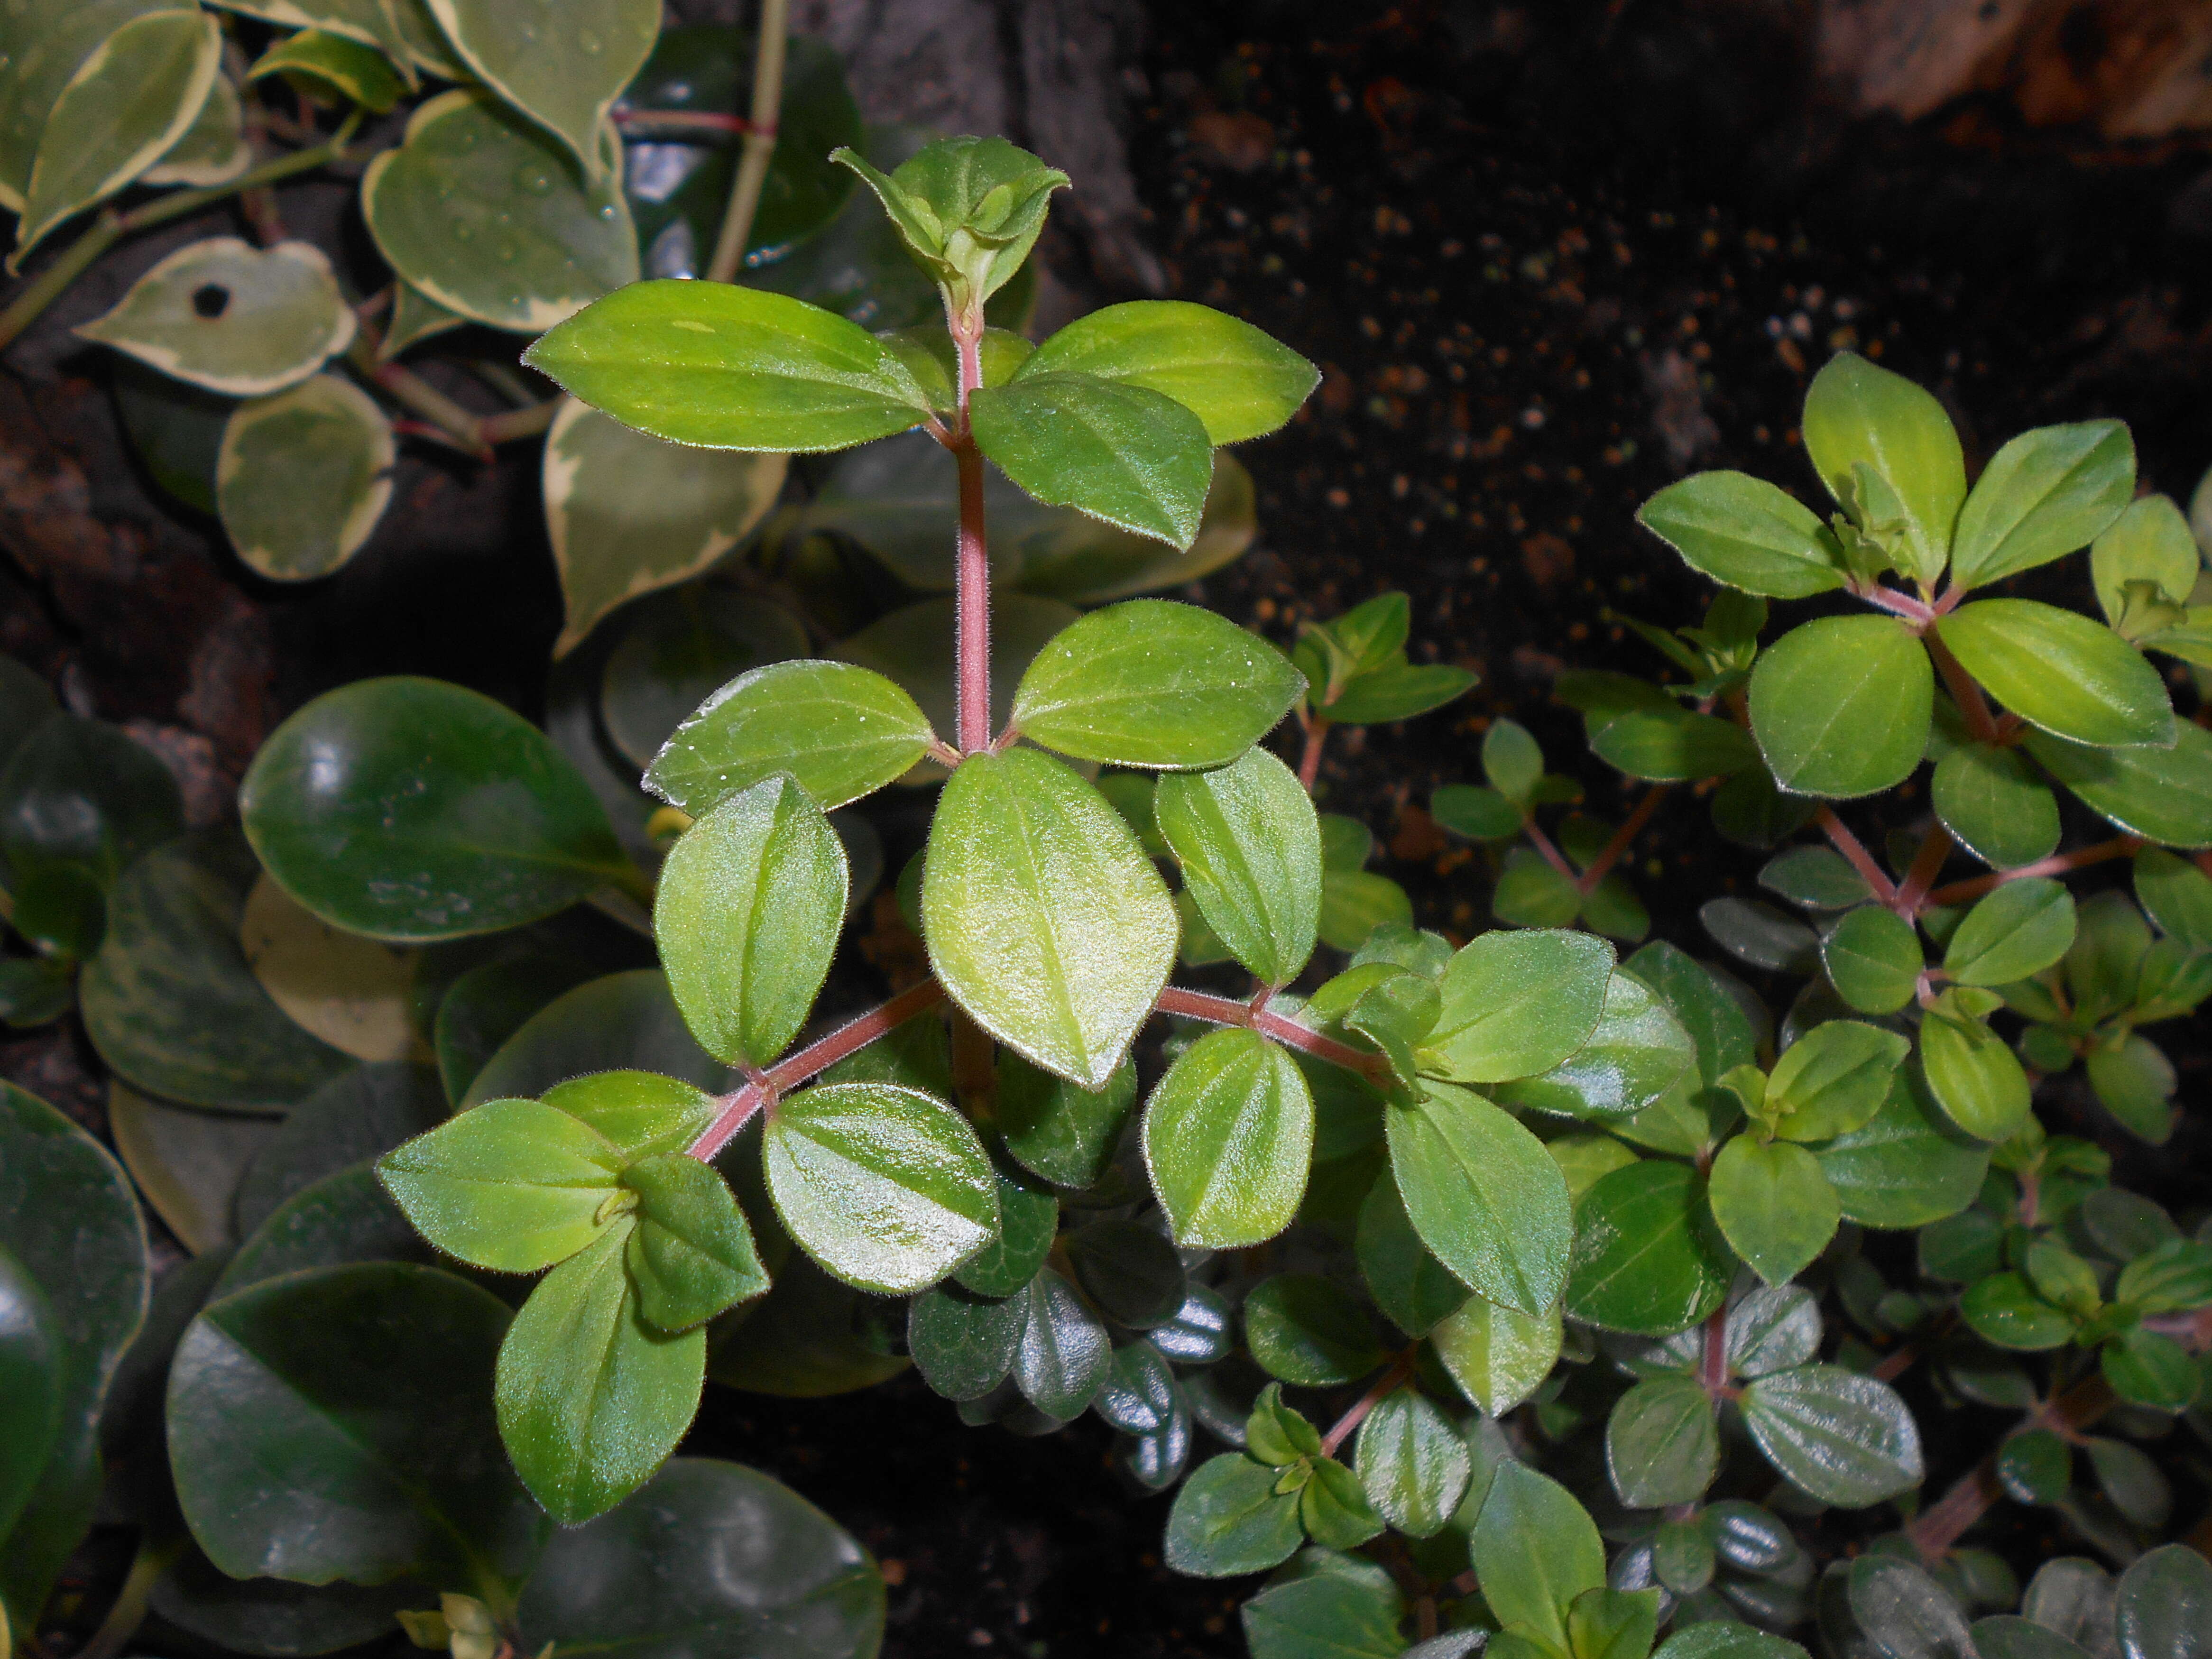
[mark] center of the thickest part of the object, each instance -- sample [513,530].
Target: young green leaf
[1833,1080]
[1229,1519]
[1240,383]
[2045,494]
[1637,1052]
[1874,959]
[1974,1076]
[747,914]
[2017,931]
[1044,919]
[278,316]
[1484,1195]
[1992,801]
[1662,1444]
[1644,1260]
[1614,1623]
[840,731]
[303,478]
[2164,795]
[411,809]
[1841,705]
[1112,449]
[566,86]
[1153,682]
[1744,532]
[1228,1138]
[732,368]
[886,1186]
[1516,1003]
[514,1185]
[482,213]
[1497,1356]
[1535,1551]
[1858,415]
[2151,542]
[691,1254]
[1249,846]
[1412,1464]
[1847,1439]
[969,209]
[591,1398]
[2072,676]
[1774,1205]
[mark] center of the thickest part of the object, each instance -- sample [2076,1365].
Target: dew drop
[533,179]
[463,230]
[507,251]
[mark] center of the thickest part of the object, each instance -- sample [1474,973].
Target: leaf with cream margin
[303,476]
[238,319]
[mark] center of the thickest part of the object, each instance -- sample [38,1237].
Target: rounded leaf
[303,476]
[1662,1443]
[1237,380]
[1992,802]
[1846,1439]
[1498,1355]
[1746,533]
[2073,677]
[1114,450]
[1774,1205]
[1515,1004]
[1643,1261]
[1874,959]
[224,314]
[566,85]
[1485,1196]
[1841,705]
[2164,795]
[1228,1138]
[1249,846]
[1228,1519]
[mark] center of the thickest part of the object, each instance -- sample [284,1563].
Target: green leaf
[1333,1507]
[356,1116]
[170,1002]
[2149,541]
[963,1345]
[1744,533]
[1771,1329]
[1498,1356]
[330,67]
[1833,1080]
[483,214]
[2174,1276]
[303,478]
[2177,896]
[916,645]
[1355,902]
[187,1163]
[1310,1331]
[1155,684]
[886,1186]
[2034,1466]
[415,317]
[31,1386]
[2164,795]
[1415,1292]
[2045,494]
[1029,1224]
[2146,1369]
[1339,1607]
[368,22]
[1638,1052]
[2163,1609]
[1841,705]
[1643,1260]
[616,1030]
[969,209]
[1045,920]
[749,905]
[1672,744]
[1725,1640]
[1477,814]
[810,1336]
[1847,1439]
[1228,1138]
[1974,1076]
[691,1254]
[1249,846]
[80,794]
[1413,1463]
[1535,1551]
[272,319]
[566,86]
[713,1557]
[840,731]
[49,42]
[70,1222]
[1874,959]
[1239,383]
[591,1398]
[1114,450]
[1858,415]
[1905,1611]
[2059,671]
[2005,1310]
[122,110]
[1814,879]
[628,513]
[2004,1636]
[1905,1167]
[514,1185]
[1613,1624]
[1397,692]
[1992,801]
[1229,1520]
[335,1424]
[1662,1443]
[343,1218]
[1065,1132]
[1483,1194]
[1774,1205]
[1516,1003]
[677,650]
[2015,932]
[1064,1355]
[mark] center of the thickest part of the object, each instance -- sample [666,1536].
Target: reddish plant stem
[2120,846]
[1980,723]
[1838,833]
[1713,1368]
[681,120]
[1397,1371]
[1927,865]
[1897,603]
[1943,1523]
[1310,761]
[1221,1010]
[1543,844]
[972,601]
[1602,864]
[739,1105]
[1895,1365]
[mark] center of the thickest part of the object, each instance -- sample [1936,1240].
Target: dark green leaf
[1310,1331]
[79,794]
[1841,705]
[1029,1222]
[691,1254]
[2163,1607]
[620,1024]
[1229,1519]
[1413,1290]
[1114,450]
[1845,1438]
[1483,1194]
[2005,1310]
[1905,1611]
[1644,1260]
[2148,1369]
[963,1344]
[1130,1272]
[1760,934]
[1339,1607]
[1671,745]
[2035,1465]
[1064,1133]
[1905,1166]
[2164,795]
[1662,1444]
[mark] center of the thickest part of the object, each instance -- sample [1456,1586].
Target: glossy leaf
[886,1186]
[187,1163]
[1341,1607]
[2163,1609]
[1905,1611]
[1833,1080]
[2164,795]
[2177,896]
[1239,383]
[1774,1205]
[2047,493]
[1029,1223]
[747,914]
[1643,1261]
[628,513]
[1062,1358]
[1992,801]
[2017,931]
[1743,532]
[230,317]
[1413,1463]
[1841,705]
[841,730]
[1637,1052]
[968,208]
[1498,1356]
[1116,450]
[481,212]
[1535,1551]
[1874,959]
[344,1217]
[1228,1138]
[566,86]
[303,476]
[1662,1443]
[1228,1519]
[1064,1133]
[810,1336]
[411,809]
[1309,1331]
[1516,1003]
[79,793]
[591,1398]
[963,1345]
[1974,1076]
[336,1425]
[1856,414]
[1484,1195]
[1153,682]
[30,1387]
[1845,1438]
[515,1185]
[357,994]
[328,67]
[1045,920]
[2058,670]
[1905,1166]
[2005,1310]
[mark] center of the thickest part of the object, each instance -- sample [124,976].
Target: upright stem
[1980,723]
[1309,761]
[759,145]
[1398,1370]
[1543,844]
[972,597]
[1713,1368]
[1855,855]
[1927,865]
[1623,838]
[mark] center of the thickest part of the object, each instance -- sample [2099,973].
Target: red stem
[1586,884]
[1713,1370]
[1944,1522]
[1552,856]
[1964,691]
[1309,761]
[2119,846]
[1885,890]
[1222,1010]
[1897,603]
[1927,865]
[972,617]
[1399,1370]
[680,119]
[738,1106]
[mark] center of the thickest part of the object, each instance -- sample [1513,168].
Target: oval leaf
[566,84]
[303,476]
[1841,705]
[1240,383]
[1114,450]
[1485,1196]
[1249,844]
[2073,677]
[1744,532]
[231,317]
[1228,1138]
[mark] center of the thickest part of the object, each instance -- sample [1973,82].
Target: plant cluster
[509,1081]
